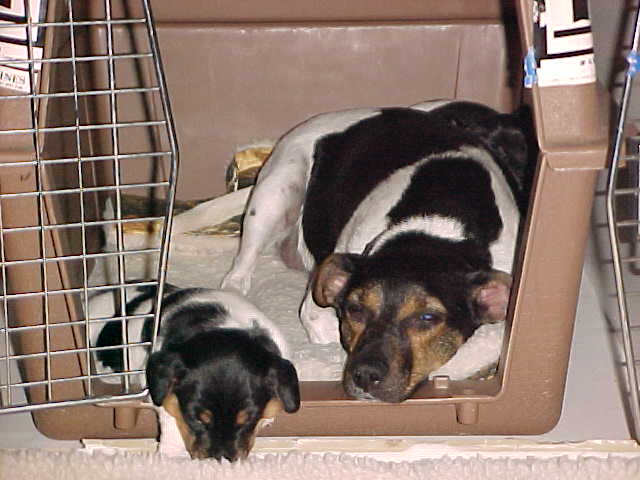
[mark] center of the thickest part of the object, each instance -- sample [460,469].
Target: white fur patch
[503,248]
[278,197]
[171,443]
[434,225]
[430,105]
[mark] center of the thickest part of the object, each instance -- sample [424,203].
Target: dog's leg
[273,211]
[321,323]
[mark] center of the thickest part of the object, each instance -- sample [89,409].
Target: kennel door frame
[616,224]
[26,176]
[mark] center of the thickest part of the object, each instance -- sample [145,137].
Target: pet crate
[241,72]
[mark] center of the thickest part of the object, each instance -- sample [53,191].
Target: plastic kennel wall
[241,71]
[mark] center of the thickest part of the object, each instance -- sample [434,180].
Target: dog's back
[459,161]
[186,312]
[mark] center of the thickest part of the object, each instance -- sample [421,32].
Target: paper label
[14,43]
[563,43]
[15,79]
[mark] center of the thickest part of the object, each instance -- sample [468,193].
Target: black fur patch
[190,319]
[111,333]
[350,164]
[509,137]
[456,188]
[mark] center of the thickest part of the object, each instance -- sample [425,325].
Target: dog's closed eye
[357,312]
[424,321]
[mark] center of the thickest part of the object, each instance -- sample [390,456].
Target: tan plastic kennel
[241,72]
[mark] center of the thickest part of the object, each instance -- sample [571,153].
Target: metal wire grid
[624,230]
[79,158]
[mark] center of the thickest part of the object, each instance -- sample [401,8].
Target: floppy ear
[491,298]
[164,370]
[285,380]
[514,136]
[511,140]
[331,277]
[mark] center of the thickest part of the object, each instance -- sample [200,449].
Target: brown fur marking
[430,350]
[371,299]
[272,408]
[242,417]
[417,301]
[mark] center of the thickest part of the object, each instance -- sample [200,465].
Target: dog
[219,368]
[407,219]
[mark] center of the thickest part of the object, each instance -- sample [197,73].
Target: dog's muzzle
[367,378]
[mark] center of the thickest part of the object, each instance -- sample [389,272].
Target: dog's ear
[491,297]
[284,379]
[331,277]
[514,136]
[164,371]
[510,139]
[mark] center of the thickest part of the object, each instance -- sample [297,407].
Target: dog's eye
[425,320]
[356,312]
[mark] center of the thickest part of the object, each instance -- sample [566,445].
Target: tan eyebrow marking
[369,297]
[206,416]
[418,301]
[242,417]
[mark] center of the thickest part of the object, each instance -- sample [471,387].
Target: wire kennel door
[93,115]
[623,218]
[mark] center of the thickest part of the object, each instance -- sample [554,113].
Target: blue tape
[530,68]
[634,63]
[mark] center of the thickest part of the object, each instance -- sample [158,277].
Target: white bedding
[202,261]
[277,291]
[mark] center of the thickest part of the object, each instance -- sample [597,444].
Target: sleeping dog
[219,368]
[407,219]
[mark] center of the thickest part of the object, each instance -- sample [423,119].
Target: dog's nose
[219,452]
[226,454]
[369,374]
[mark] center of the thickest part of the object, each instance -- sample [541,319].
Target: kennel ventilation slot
[83,100]
[624,230]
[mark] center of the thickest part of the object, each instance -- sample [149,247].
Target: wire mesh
[623,218]
[88,160]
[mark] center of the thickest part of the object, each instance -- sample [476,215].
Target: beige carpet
[67,465]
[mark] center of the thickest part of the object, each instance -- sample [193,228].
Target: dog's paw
[322,338]
[321,324]
[236,283]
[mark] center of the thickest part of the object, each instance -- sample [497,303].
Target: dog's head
[400,320]
[220,386]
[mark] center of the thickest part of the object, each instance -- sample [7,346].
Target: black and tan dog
[219,368]
[407,219]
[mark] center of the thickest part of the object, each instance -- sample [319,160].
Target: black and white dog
[219,367]
[408,220]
